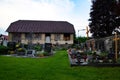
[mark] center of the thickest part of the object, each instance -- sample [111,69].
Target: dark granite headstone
[47,47]
[11,45]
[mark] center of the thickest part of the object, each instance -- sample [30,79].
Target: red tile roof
[41,26]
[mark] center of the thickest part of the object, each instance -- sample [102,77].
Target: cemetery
[52,49]
[19,49]
[96,52]
[93,52]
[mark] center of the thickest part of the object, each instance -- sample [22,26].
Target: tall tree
[116,9]
[102,18]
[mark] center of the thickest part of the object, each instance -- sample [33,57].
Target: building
[55,32]
[3,39]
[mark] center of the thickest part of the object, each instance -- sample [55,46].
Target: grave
[11,45]
[94,60]
[30,53]
[48,47]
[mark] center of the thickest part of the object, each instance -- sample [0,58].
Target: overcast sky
[73,11]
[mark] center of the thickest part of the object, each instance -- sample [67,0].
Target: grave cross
[87,32]
[116,45]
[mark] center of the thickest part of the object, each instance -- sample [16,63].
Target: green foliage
[26,46]
[89,52]
[103,54]
[80,39]
[3,49]
[18,45]
[103,20]
[118,60]
[46,53]
[38,47]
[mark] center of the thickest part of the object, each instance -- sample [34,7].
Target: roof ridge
[43,20]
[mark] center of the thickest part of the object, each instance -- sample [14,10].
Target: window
[66,37]
[57,37]
[16,36]
[28,36]
[37,36]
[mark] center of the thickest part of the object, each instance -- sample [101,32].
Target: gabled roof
[41,26]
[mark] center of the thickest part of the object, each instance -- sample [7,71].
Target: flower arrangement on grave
[39,54]
[102,57]
[21,50]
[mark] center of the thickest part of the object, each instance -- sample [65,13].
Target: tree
[80,39]
[116,9]
[103,18]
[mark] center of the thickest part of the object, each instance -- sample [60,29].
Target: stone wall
[102,44]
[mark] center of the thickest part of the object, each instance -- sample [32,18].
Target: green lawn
[56,67]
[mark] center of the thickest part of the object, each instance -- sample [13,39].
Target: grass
[56,67]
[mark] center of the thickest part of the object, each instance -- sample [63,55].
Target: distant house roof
[41,26]
[5,37]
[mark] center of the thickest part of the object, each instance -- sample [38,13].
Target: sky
[74,11]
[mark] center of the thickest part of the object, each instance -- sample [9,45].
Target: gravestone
[108,44]
[11,45]
[4,42]
[48,47]
[47,39]
[30,53]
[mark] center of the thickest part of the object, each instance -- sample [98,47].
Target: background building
[55,32]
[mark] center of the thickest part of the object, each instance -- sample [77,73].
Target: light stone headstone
[4,42]
[47,39]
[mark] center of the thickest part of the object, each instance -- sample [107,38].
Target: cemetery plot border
[84,62]
[74,62]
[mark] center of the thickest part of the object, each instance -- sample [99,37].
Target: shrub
[3,50]
[118,60]
[37,47]
[26,46]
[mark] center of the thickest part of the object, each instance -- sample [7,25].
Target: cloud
[31,9]
[89,0]
[63,10]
